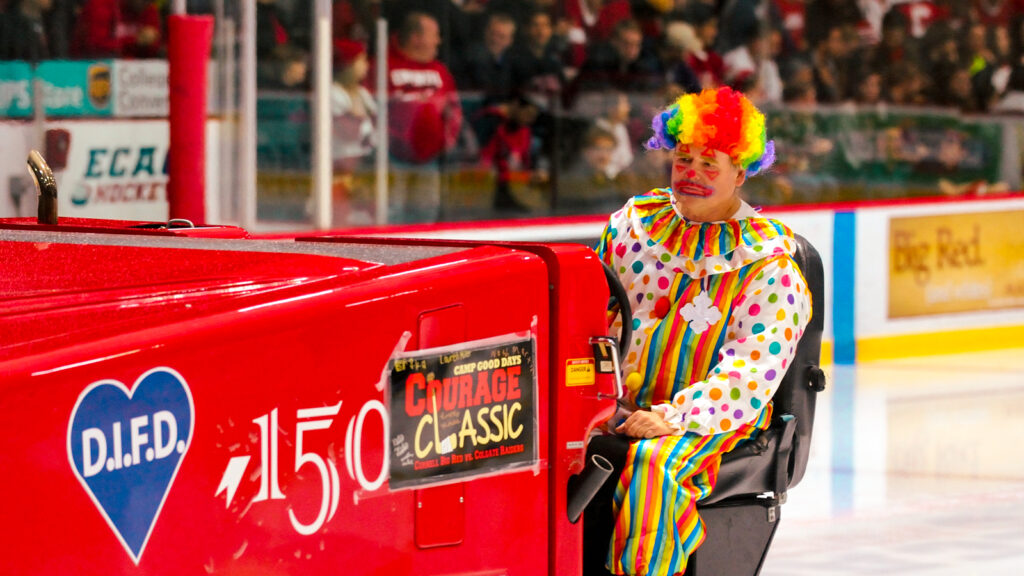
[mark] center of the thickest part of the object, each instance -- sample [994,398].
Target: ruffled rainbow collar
[702,248]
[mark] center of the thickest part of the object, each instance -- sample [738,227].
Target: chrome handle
[46,188]
[613,344]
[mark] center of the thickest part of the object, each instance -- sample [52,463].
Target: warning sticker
[579,372]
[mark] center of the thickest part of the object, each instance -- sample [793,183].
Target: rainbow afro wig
[720,119]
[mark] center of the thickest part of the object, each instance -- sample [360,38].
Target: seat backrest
[797,392]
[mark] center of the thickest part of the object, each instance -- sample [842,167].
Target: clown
[718,306]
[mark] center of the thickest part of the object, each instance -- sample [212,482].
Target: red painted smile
[684,186]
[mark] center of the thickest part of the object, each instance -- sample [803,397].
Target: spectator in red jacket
[140,29]
[95,34]
[794,21]
[425,118]
[996,12]
[591,21]
[507,148]
[116,28]
[920,15]
[706,63]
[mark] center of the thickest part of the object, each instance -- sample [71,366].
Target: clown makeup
[720,119]
[705,183]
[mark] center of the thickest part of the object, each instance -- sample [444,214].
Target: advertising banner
[115,170]
[463,411]
[96,88]
[140,89]
[73,89]
[967,262]
[15,89]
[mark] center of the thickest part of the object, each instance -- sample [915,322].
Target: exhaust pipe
[46,186]
[583,486]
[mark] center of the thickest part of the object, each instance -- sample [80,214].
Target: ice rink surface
[916,468]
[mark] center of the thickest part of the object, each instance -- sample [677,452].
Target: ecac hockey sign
[126,446]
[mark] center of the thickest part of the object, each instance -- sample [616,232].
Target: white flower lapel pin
[701,313]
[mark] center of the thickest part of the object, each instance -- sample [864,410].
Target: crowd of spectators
[35,30]
[543,83]
[964,53]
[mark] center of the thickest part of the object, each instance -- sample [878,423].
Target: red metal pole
[188,51]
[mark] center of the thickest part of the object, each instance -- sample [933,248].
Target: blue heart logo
[126,446]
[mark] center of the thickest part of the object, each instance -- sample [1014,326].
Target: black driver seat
[742,512]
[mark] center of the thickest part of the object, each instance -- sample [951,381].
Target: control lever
[609,345]
[46,187]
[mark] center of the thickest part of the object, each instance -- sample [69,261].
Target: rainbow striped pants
[657,527]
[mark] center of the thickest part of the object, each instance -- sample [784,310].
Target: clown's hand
[645,424]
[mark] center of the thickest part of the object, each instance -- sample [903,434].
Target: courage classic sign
[463,411]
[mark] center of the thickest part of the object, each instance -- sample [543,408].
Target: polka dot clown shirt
[718,308]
